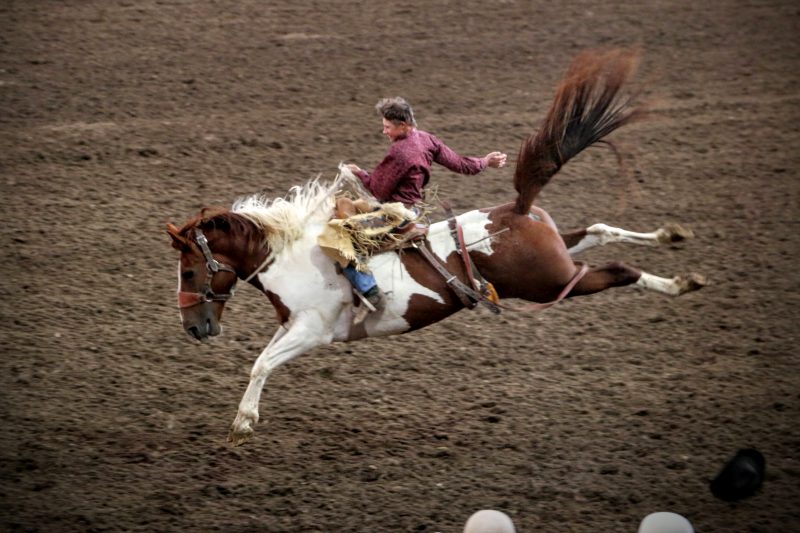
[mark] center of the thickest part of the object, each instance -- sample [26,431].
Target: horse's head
[214,254]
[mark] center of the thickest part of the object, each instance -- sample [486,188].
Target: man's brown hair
[396,110]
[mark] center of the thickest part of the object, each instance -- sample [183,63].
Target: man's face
[395,131]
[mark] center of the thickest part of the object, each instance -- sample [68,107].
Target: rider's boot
[365,285]
[376,297]
[373,300]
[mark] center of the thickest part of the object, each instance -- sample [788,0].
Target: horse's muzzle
[203,330]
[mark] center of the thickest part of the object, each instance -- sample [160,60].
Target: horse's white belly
[398,286]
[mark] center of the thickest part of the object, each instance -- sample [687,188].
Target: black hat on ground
[741,477]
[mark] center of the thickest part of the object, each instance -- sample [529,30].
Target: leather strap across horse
[475,278]
[467,295]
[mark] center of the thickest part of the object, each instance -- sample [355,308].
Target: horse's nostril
[194,331]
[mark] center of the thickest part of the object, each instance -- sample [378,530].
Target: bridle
[206,293]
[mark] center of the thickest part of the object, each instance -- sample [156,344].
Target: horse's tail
[587,107]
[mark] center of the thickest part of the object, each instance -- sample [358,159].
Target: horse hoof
[240,433]
[239,437]
[674,233]
[692,282]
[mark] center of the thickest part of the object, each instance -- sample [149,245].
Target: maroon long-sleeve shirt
[406,169]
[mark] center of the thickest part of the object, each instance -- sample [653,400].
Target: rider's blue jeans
[362,281]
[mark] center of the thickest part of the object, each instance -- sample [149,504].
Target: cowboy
[405,171]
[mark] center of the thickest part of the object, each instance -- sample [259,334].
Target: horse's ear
[178,242]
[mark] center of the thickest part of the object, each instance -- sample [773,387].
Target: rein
[206,293]
[268,261]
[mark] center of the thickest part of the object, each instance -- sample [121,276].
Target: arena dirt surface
[119,116]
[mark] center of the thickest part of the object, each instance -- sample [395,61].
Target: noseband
[206,293]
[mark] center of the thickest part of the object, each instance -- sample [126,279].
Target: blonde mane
[285,220]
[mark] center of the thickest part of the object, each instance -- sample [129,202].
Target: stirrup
[361,312]
[365,302]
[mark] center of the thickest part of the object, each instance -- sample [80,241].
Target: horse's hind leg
[672,286]
[601,234]
[619,274]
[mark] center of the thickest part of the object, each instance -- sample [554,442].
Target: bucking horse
[516,248]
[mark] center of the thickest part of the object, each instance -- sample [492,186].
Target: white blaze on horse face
[180,314]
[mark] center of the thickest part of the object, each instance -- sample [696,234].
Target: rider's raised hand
[495,159]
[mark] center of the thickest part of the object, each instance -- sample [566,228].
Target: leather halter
[206,293]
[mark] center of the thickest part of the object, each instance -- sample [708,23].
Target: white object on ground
[489,521]
[665,522]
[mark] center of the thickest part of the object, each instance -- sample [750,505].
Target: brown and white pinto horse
[273,245]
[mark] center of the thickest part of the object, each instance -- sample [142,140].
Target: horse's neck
[300,255]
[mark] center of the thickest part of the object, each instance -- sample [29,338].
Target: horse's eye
[187,275]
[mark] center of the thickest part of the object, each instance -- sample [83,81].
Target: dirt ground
[118,116]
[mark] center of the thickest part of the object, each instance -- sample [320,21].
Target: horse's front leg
[303,334]
[602,234]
